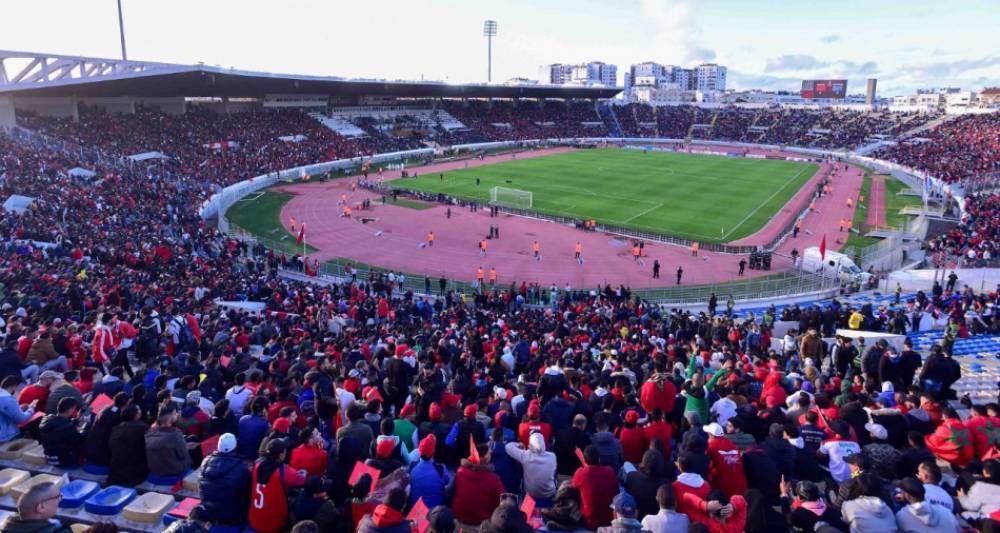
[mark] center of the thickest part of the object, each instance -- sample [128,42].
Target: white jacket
[539,466]
[982,498]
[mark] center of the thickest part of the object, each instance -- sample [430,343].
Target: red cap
[632,416]
[282,424]
[434,412]
[384,448]
[427,445]
[407,410]
[534,411]
[470,411]
[498,418]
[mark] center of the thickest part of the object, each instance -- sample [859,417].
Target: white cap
[713,429]
[877,431]
[227,443]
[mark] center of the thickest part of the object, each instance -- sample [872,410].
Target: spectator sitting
[61,437]
[36,511]
[11,414]
[625,515]
[388,516]
[61,388]
[314,505]
[224,483]
[920,515]
[39,392]
[128,465]
[166,449]
[311,455]
[253,427]
[43,354]
[98,447]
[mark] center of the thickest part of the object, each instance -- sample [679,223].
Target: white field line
[769,198]
[639,214]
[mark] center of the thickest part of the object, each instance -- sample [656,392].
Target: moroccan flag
[822,248]
[302,234]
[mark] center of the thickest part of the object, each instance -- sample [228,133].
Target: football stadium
[675,299]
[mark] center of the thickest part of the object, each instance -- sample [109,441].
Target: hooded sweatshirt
[384,519]
[868,513]
[925,517]
[539,466]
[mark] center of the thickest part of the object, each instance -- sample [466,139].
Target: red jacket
[681,487]
[657,392]
[697,512]
[309,458]
[952,442]
[726,466]
[632,443]
[598,486]
[477,494]
[660,430]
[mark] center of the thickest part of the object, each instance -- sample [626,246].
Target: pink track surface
[396,237]
[876,202]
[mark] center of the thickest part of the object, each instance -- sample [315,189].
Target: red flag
[822,248]
[302,234]
[473,451]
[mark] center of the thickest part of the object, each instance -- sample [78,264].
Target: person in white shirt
[668,520]
[238,395]
[930,474]
[838,449]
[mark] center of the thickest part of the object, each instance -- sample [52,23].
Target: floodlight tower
[489,31]
[121,30]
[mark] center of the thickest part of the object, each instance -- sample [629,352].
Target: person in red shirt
[719,513]
[630,436]
[269,484]
[725,464]
[533,423]
[24,343]
[688,482]
[598,485]
[477,488]
[657,428]
[38,391]
[85,383]
[284,400]
[311,456]
[658,391]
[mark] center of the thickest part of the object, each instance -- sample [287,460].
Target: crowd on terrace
[963,149]
[606,411]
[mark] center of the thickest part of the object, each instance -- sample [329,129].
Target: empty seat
[13,449]
[26,485]
[163,481]
[11,477]
[96,469]
[76,492]
[109,501]
[149,507]
[35,455]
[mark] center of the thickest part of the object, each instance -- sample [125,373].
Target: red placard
[528,508]
[360,469]
[209,445]
[184,508]
[418,516]
[100,403]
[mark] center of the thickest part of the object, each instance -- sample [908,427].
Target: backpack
[185,336]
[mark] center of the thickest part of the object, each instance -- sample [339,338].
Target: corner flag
[302,234]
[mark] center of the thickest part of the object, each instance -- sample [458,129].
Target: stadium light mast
[121,30]
[489,31]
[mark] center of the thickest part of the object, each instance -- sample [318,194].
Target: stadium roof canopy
[57,75]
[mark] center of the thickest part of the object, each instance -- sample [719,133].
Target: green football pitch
[700,197]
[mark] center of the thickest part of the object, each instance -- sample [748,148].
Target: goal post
[515,198]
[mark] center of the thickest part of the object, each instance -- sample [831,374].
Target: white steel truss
[35,70]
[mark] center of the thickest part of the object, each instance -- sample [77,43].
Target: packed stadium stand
[966,148]
[351,403]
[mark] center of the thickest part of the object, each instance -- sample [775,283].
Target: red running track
[395,238]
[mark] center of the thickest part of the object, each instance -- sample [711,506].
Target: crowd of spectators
[607,411]
[975,240]
[509,121]
[963,149]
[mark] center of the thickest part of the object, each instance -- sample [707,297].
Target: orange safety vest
[347,211]
[635,250]
[534,246]
[578,247]
[430,237]
[694,248]
[482,245]
[493,274]
[479,274]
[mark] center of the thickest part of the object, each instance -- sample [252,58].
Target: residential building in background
[656,83]
[592,73]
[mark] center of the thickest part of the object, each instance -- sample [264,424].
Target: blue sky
[766,44]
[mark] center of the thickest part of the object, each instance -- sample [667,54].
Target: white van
[835,264]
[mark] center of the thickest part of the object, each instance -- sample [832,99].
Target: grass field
[261,216]
[700,197]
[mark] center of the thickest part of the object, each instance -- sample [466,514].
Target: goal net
[515,198]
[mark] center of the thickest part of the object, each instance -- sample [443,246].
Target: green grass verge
[894,202]
[700,197]
[261,217]
[857,240]
[410,204]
